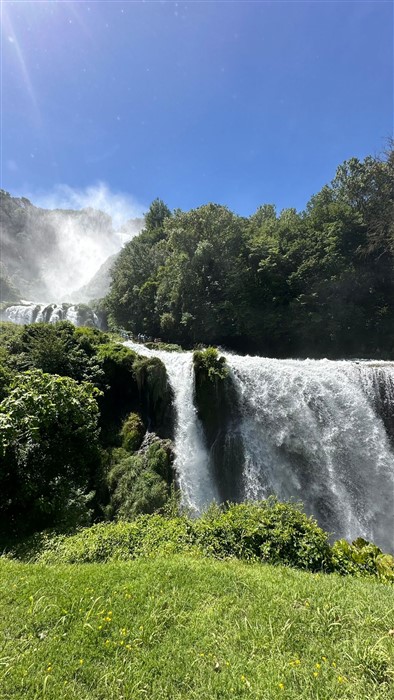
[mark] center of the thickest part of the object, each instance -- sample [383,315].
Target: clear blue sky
[239,103]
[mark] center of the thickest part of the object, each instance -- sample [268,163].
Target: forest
[316,283]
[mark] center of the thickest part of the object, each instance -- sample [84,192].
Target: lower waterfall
[191,456]
[316,431]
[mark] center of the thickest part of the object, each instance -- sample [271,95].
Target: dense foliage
[74,411]
[48,447]
[319,282]
[266,531]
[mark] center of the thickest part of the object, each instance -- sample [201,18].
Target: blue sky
[239,103]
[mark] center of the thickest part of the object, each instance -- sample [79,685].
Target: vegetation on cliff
[75,408]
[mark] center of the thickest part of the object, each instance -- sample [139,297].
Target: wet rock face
[384,398]
[218,408]
[156,396]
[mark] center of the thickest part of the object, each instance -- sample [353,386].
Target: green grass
[183,628]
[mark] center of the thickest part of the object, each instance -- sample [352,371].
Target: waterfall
[192,462]
[50,313]
[315,431]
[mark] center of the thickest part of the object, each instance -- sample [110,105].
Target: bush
[268,530]
[361,558]
[140,483]
[147,535]
[132,433]
[213,365]
[48,450]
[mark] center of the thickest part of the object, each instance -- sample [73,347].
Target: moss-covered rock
[156,396]
[218,408]
[132,433]
[141,482]
[167,347]
[85,316]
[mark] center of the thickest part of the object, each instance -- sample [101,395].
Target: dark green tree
[48,451]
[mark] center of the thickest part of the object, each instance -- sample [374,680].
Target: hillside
[183,629]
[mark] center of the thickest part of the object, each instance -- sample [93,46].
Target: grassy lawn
[180,628]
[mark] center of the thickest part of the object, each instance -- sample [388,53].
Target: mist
[118,205]
[64,236]
[85,241]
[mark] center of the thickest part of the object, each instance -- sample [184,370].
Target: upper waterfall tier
[78,314]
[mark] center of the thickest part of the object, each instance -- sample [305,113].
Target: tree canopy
[318,282]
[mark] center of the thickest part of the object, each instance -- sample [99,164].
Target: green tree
[155,217]
[48,450]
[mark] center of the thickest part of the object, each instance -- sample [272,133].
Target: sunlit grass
[179,628]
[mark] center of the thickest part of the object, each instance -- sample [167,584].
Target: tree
[155,217]
[48,450]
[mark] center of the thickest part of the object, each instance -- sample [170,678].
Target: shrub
[268,530]
[361,558]
[213,365]
[147,535]
[48,449]
[140,483]
[132,432]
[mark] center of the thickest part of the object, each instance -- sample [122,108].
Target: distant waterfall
[317,431]
[50,313]
[191,456]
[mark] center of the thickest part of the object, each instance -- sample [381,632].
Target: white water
[192,463]
[34,313]
[311,432]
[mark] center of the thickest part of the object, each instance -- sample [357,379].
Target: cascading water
[50,313]
[192,459]
[314,431]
